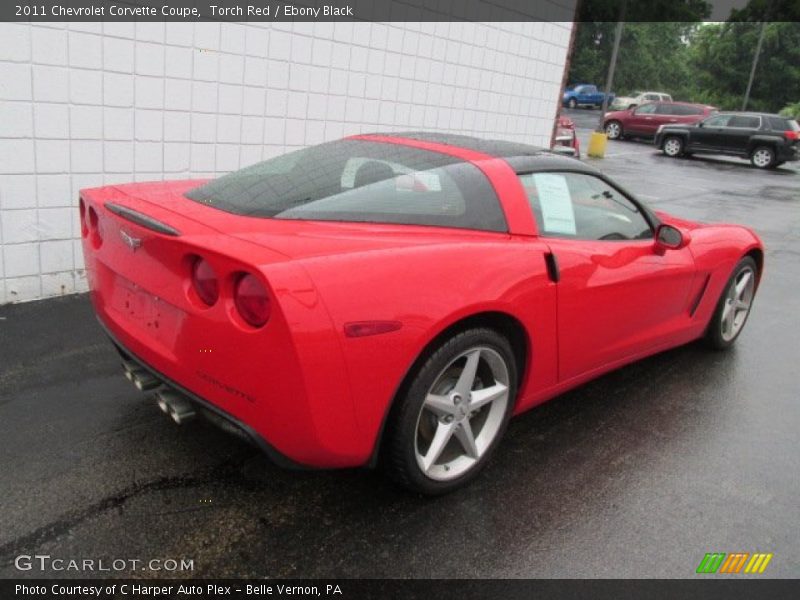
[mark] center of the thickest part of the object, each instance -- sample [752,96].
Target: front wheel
[453,413]
[672,146]
[734,306]
[763,157]
[572,103]
[614,130]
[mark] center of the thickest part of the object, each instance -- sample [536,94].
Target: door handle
[552,267]
[673,120]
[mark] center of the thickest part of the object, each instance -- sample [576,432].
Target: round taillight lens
[252,300]
[205,282]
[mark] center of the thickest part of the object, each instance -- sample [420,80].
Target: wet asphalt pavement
[637,474]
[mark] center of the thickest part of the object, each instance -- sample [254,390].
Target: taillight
[84,227]
[205,282]
[792,135]
[252,300]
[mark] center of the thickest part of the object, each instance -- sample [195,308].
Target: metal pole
[755,64]
[612,67]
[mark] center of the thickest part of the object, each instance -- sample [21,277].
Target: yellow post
[597,144]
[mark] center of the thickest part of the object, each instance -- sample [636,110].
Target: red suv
[645,120]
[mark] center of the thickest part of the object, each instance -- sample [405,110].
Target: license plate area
[146,313]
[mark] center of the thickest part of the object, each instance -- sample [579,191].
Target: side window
[779,124]
[666,97]
[646,109]
[718,121]
[652,97]
[744,121]
[666,109]
[583,207]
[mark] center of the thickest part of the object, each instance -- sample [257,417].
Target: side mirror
[700,124]
[670,238]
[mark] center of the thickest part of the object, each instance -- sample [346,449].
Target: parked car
[645,120]
[584,95]
[394,299]
[637,99]
[566,140]
[767,140]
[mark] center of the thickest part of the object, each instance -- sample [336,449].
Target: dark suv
[767,140]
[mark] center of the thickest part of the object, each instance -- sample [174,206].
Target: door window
[666,109]
[718,121]
[652,97]
[744,121]
[647,109]
[582,206]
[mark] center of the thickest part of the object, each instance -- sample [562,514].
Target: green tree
[693,61]
[721,55]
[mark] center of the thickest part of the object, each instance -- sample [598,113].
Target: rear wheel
[614,130]
[672,146]
[734,306]
[453,413]
[763,157]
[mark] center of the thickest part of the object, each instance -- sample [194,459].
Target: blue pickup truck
[584,95]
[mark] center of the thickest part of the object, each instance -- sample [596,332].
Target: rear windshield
[363,181]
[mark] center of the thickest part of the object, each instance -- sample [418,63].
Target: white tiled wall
[89,104]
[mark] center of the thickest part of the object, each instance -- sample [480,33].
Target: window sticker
[556,203]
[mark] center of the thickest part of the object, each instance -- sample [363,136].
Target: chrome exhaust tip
[162,403]
[145,381]
[176,406]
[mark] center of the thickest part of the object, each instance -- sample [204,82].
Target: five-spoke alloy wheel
[454,412]
[734,306]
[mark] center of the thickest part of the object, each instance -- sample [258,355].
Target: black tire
[399,450]
[672,146]
[763,157]
[572,103]
[714,337]
[614,130]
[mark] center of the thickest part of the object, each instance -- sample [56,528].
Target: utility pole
[755,64]
[611,68]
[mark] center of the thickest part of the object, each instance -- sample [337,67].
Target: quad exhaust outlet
[176,406]
[139,377]
[171,403]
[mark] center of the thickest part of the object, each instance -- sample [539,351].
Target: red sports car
[394,299]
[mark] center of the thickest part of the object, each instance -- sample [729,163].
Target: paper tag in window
[556,203]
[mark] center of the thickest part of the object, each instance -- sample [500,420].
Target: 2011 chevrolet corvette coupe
[394,299]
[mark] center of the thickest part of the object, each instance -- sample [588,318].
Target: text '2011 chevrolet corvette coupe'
[394,299]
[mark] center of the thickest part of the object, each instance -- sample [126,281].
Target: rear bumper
[788,153]
[213,413]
